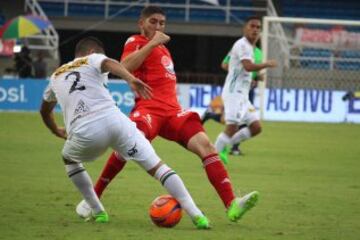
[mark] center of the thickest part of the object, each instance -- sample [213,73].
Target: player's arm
[260,76]
[252,67]
[134,60]
[47,115]
[225,63]
[118,69]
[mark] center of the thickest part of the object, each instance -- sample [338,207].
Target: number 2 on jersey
[74,86]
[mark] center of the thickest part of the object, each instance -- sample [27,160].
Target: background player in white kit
[94,123]
[237,107]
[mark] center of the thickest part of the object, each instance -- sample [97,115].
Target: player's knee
[68,161]
[255,129]
[208,148]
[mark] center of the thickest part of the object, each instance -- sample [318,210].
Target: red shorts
[177,126]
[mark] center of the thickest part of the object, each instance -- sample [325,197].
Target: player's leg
[232,115]
[187,130]
[194,138]
[235,149]
[252,120]
[83,183]
[131,144]
[218,176]
[113,166]
[77,149]
[115,162]
[175,186]
[246,133]
[223,141]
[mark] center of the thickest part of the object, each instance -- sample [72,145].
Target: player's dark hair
[252,18]
[150,10]
[88,43]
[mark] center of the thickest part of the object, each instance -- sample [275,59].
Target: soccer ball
[165,211]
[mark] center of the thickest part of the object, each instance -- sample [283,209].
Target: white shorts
[239,110]
[116,131]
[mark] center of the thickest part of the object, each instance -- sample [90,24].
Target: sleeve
[95,60]
[131,45]
[49,95]
[244,51]
[258,56]
[226,59]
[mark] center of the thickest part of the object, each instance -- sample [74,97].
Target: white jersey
[80,88]
[238,80]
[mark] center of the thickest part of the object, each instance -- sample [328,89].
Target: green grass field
[308,176]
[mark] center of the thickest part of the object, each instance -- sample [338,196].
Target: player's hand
[271,63]
[61,133]
[141,88]
[160,38]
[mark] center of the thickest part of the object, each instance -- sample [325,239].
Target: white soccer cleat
[83,209]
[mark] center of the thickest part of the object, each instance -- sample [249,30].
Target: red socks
[219,178]
[112,168]
[214,168]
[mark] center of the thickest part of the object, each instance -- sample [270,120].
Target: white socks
[241,135]
[175,186]
[82,181]
[223,140]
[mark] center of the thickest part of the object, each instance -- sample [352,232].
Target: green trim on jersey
[233,81]
[258,58]
[226,59]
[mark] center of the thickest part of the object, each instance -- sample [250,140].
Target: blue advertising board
[26,95]
[303,105]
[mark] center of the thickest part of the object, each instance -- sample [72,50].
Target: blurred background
[319,62]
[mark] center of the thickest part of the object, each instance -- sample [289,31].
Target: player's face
[252,30]
[155,22]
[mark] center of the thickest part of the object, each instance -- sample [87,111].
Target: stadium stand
[2,18]
[347,9]
[177,10]
[325,59]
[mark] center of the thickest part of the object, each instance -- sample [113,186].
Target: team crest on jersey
[81,108]
[168,64]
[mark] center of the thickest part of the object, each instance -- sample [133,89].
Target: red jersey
[157,71]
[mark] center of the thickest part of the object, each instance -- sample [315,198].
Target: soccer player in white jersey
[237,107]
[94,123]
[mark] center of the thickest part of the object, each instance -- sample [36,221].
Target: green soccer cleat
[101,217]
[224,155]
[239,206]
[201,222]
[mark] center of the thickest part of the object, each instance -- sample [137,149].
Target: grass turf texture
[307,175]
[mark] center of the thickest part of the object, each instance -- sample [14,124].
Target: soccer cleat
[201,222]
[239,206]
[224,155]
[235,152]
[101,217]
[83,209]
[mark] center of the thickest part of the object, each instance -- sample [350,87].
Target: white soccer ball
[83,209]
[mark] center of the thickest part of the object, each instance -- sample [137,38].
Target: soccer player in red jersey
[146,56]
